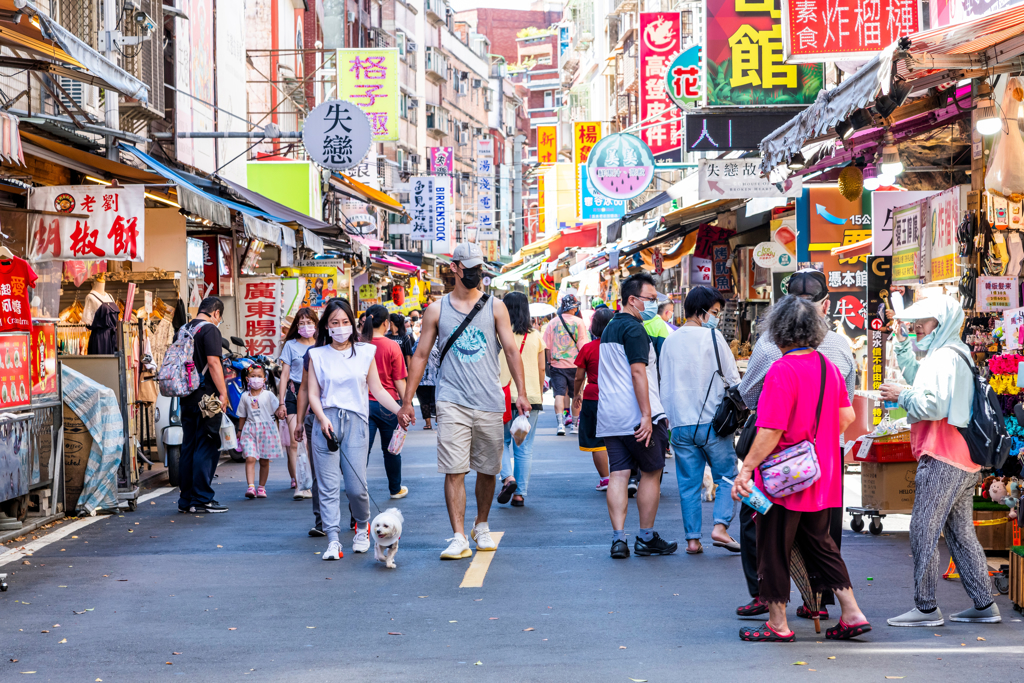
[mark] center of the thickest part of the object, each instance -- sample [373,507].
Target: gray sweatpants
[944,502]
[349,462]
[309,423]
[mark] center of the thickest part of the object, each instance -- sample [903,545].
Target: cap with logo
[808,283]
[468,254]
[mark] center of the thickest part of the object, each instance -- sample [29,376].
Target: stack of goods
[1005,382]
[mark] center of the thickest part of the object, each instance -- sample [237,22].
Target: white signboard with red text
[660,42]
[261,315]
[106,223]
[841,30]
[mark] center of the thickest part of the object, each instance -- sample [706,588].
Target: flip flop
[844,631]
[698,551]
[765,634]
[731,546]
[506,492]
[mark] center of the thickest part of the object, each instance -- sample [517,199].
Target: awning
[504,280]
[267,232]
[538,246]
[312,241]
[102,165]
[288,214]
[701,211]
[674,192]
[397,263]
[364,193]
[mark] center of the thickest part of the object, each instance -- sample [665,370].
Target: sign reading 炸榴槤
[106,223]
[336,135]
[369,78]
[839,30]
[744,61]
[261,315]
[660,41]
[685,77]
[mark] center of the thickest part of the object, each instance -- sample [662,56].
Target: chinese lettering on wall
[261,315]
[844,29]
[486,229]
[745,57]
[106,223]
[997,293]
[660,42]
[369,78]
[944,210]
[879,278]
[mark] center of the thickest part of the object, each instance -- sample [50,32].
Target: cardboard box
[997,536]
[888,485]
[77,444]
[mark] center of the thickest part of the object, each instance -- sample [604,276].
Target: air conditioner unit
[477,130]
[406,166]
[413,103]
[415,159]
[508,131]
[351,16]
[410,47]
[465,176]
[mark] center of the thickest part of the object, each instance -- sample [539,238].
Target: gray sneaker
[916,617]
[989,615]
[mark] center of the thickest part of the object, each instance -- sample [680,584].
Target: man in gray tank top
[470,401]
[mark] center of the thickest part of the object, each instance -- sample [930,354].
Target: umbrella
[798,571]
[539,310]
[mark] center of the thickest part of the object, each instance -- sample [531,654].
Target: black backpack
[986,435]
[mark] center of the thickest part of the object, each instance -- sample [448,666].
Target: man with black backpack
[469,325]
[563,337]
[939,409]
[200,449]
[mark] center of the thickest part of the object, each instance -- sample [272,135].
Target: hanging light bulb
[989,122]
[886,179]
[871,181]
[892,165]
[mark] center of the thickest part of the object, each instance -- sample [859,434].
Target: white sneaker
[481,534]
[575,427]
[561,430]
[333,552]
[402,493]
[361,541]
[300,494]
[457,549]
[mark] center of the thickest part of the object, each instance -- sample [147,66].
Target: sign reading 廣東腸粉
[660,41]
[369,78]
[841,30]
[336,135]
[261,315]
[744,60]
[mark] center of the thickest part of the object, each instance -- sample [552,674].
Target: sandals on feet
[698,551]
[507,489]
[765,634]
[805,613]
[752,609]
[844,631]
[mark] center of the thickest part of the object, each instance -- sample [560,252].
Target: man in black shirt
[200,451]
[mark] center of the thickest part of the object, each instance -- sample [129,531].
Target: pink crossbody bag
[794,469]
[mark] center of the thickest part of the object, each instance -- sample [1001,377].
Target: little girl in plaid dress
[260,438]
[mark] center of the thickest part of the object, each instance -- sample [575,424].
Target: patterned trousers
[944,502]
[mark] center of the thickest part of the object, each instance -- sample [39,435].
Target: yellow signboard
[547,144]
[369,78]
[585,135]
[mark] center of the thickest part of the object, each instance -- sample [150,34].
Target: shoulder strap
[718,359]
[567,328]
[972,366]
[821,394]
[481,302]
[707,437]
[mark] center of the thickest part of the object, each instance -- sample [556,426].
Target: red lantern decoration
[398,295]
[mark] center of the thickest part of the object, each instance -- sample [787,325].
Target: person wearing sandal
[517,459]
[804,399]
[696,366]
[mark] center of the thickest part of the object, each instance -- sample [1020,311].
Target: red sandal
[752,608]
[844,631]
[765,634]
[805,613]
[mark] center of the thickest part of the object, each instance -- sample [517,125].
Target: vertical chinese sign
[486,228]
[660,41]
[834,222]
[585,135]
[547,144]
[944,212]
[879,272]
[839,30]
[44,362]
[261,315]
[442,165]
[421,208]
[743,53]
[369,78]
[907,222]
[105,223]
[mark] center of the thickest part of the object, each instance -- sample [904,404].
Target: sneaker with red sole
[805,613]
[752,608]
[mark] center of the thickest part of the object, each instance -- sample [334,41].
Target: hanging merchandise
[1005,174]
[16,276]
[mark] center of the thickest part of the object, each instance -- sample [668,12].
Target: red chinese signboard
[15,377]
[44,361]
[836,30]
[106,223]
[660,42]
[261,315]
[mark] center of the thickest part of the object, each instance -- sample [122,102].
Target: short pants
[291,400]
[468,439]
[562,381]
[588,427]
[626,453]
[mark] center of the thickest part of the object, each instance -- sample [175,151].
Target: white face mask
[341,334]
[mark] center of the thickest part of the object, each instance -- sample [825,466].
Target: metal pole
[517,191]
[111,109]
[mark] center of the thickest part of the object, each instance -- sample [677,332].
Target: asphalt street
[156,595]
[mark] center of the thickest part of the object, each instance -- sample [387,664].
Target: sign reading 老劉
[717,132]
[336,135]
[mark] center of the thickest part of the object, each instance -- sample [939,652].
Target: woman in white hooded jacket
[937,404]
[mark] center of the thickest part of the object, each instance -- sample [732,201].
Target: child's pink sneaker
[250,492]
[261,492]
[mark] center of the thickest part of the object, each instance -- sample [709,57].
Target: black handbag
[747,436]
[732,412]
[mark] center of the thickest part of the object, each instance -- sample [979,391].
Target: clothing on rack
[103,339]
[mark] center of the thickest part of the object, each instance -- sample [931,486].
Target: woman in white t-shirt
[341,369]
[300,338]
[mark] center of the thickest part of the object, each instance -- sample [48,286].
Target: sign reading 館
[261,315]
[660,41]
[839,30]
[105,223]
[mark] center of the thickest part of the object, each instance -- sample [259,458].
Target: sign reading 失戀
[336,135]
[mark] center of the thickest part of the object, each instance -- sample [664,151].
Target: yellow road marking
[477,570]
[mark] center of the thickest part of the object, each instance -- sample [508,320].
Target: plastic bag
[519,428]
[397,441]
[303,473]
[228,438]
[1005,174]
[286,433]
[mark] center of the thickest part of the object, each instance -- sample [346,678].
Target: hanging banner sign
[442,161]
[547,144]
[44,362]
[943,215]
[620,166]
[834,221]
[740,179]
[486,231]
[685,77]
[114,230]
[906,247]
[444,223]
[594,205]
[882,205]
[261,315]
[369,78]
[660,40]
[997,293]
[879,270]
[318,285]
[585,135]
[830,31]
[723,132]
[336,135]
[421,208]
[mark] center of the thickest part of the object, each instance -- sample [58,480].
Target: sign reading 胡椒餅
[336,135]
[115,227]
[369,78]
[743,54]
[660,41]
[841,30]
[486,228]
[740,179]
[594,205]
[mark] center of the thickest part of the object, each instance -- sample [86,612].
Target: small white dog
[387,530]
[708,487]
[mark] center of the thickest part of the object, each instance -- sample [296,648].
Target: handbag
[794,469]
[732,412]
[747,436]
[507,417]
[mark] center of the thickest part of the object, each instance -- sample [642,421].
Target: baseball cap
[468,254]
[569,302]
[809,283]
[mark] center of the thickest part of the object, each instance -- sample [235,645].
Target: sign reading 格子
[369,78]
[336,135]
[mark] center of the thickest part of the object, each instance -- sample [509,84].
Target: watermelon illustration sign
[685,79]
[620,166]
